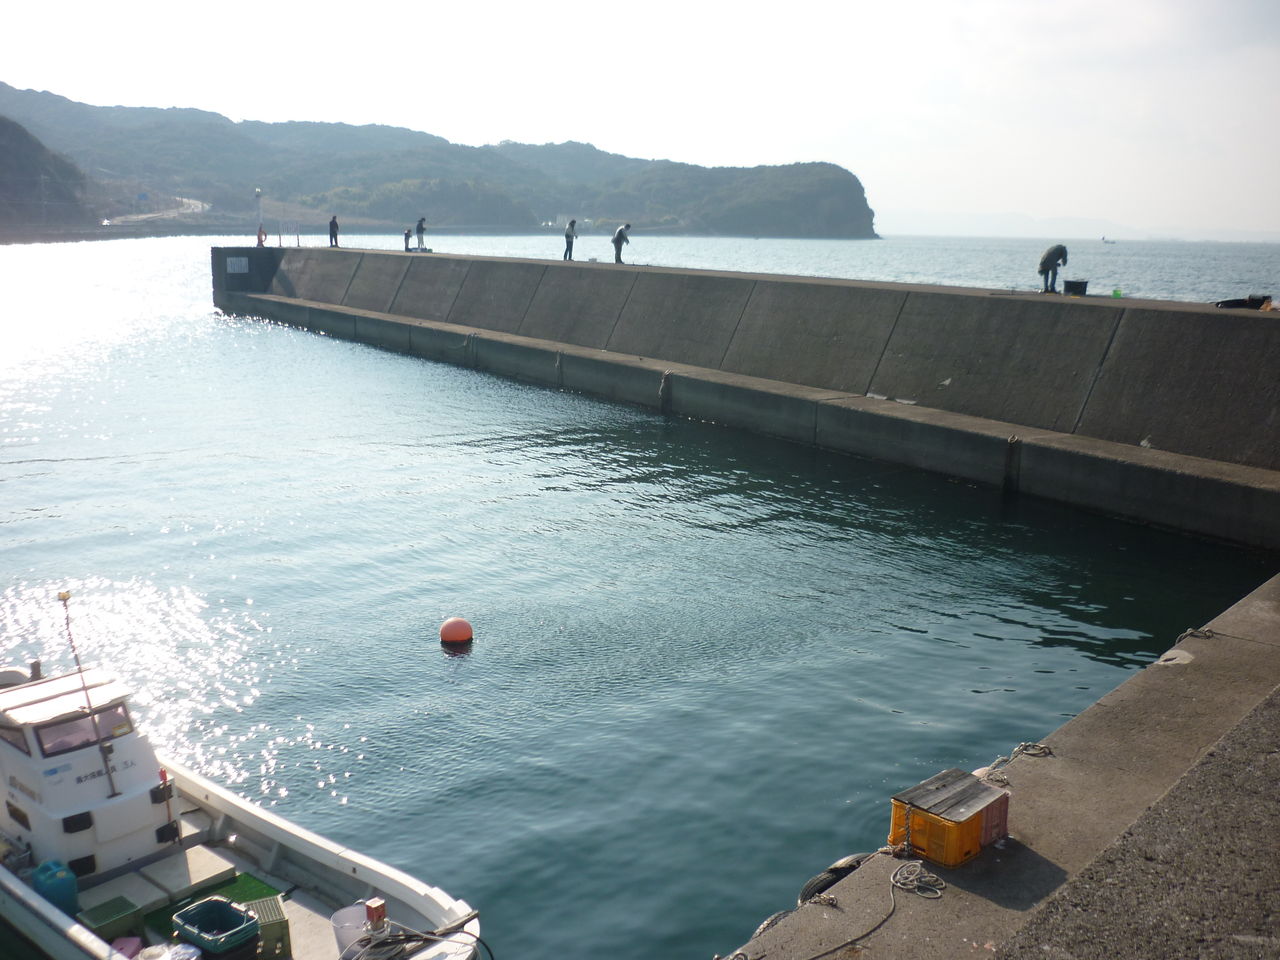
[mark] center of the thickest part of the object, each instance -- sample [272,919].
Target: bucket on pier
[1075,288]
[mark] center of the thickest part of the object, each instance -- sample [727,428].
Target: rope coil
[1028,749]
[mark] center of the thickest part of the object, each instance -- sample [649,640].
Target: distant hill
[38,187]
[392,176]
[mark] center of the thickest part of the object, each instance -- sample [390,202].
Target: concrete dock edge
[476,311]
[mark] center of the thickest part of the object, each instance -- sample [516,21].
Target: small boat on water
[109,851]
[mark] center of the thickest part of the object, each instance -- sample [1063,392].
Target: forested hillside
[36,186]
[392,176]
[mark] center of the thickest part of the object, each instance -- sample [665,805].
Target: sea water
[704,659]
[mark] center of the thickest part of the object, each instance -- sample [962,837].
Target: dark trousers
[568,249]
[1051,279]
[617,252]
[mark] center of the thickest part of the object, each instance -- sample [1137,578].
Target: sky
[1133,118]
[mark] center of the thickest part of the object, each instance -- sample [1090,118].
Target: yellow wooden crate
[953,816]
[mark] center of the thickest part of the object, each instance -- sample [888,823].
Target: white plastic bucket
[349,925]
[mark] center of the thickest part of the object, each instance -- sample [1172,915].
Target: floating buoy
[455,630]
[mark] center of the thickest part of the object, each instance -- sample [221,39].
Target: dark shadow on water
[1075,575]
[460,650]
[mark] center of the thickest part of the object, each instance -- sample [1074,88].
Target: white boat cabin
[82,786]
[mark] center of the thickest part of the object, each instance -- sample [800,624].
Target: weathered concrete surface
[952,443]
[1020,360]
[578,306]
[1095,824]
[1169,377]
[316,274]
[763,406]
[429,288]
[833,337]
[681,317]
[1196,876]
[624,379]
[1224,500]
[376,282]
[495,295]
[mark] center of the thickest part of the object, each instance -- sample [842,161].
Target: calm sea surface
[704,659]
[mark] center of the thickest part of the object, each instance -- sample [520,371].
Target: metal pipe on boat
[168,803]
[103,748]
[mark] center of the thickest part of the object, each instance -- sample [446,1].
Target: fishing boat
[110,851]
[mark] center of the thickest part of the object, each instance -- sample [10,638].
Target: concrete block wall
[1074,399]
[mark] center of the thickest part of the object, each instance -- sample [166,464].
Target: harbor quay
[1155,411]
[1146,827]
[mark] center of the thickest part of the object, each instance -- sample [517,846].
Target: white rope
[913,877]
[1030,749]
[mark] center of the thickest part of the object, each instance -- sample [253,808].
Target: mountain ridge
[390,176]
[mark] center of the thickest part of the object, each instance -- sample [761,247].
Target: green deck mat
[243,888]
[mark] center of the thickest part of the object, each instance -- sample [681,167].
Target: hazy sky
[1159,115]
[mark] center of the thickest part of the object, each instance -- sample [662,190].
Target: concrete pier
[1151,829]
[1165,413]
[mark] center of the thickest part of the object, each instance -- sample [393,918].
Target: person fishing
[1052,258]
[570,235]
[619,238]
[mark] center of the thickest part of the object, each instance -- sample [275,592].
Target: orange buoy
[455,630]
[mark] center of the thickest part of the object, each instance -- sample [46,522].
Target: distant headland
[69,166]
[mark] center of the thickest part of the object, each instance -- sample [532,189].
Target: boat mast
[103,748]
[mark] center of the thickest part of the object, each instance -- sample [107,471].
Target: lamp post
[257,193]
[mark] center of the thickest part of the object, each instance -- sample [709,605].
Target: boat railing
[343,862]
[60,927]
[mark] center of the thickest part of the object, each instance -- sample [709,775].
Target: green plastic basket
[216,925]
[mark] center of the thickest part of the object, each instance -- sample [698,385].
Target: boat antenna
[103,747]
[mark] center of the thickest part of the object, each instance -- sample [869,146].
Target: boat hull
[320,876]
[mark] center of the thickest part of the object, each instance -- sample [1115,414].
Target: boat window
[16,737]
[67,735]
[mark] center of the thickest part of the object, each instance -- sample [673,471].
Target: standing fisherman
[1053,257]
[619,238]
[570,235]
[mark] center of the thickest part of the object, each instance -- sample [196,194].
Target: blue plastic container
[55,882]
[216,925]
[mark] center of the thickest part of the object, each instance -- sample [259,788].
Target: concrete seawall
[1166,413]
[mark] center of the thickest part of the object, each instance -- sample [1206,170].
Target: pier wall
[1168,413]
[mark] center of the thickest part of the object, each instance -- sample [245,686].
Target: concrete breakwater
[1166,413]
